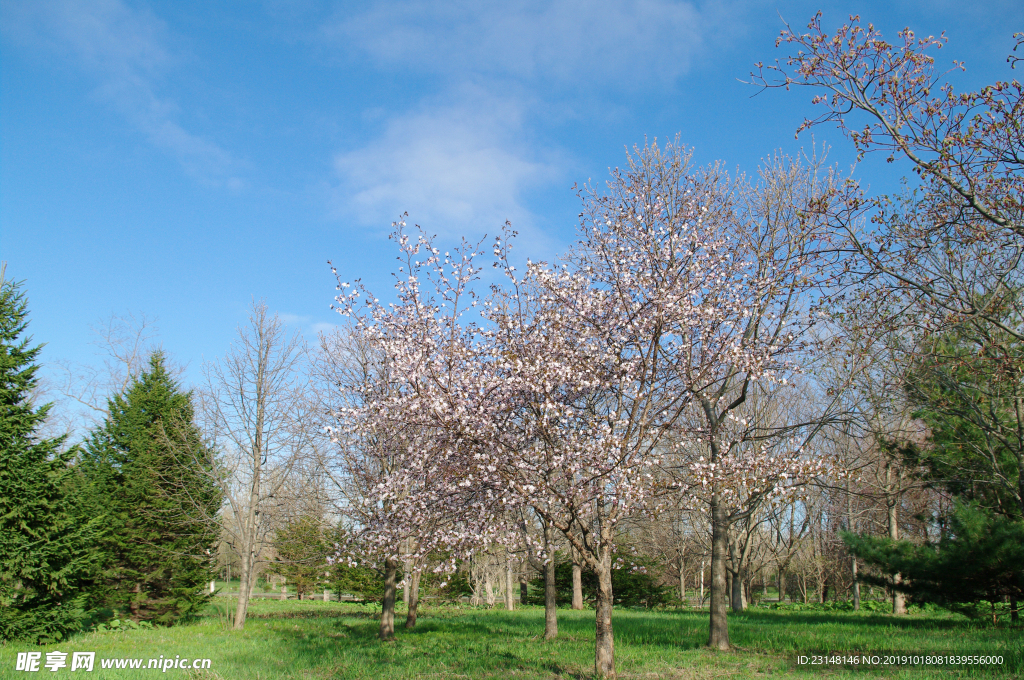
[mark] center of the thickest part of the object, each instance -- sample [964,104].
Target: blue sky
[178,158]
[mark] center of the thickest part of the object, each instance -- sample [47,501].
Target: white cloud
[125,50]
[293,319]
[470,155]
[573,43]
[457,169]
[323,327]
[466,165]
[306,326]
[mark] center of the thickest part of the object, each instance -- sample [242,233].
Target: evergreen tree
[302,551]
[349,571]
[979,559]
[635,585]
[150,469]
[968,387]
[46,557]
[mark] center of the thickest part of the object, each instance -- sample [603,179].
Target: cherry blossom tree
[588,351]
[349,371]
[755,350]
[563,403]
[583,376]
[646,340]
[406,427]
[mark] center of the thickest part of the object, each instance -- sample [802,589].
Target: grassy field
[290,639]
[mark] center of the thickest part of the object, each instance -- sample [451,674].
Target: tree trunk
[739,576]
[387,613]
[736,578]
[718,637]
[489,588]
[853,558]
[782,585]
[475,599]
[510,603]
[856,585]
[524,586]
[406,581]
[682,583]
[577,583]
[899,601]
[245,586]
[550,587]
[738,600]
[413,588]
[133,605]
[604,661]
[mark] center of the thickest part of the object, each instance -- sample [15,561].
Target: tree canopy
[149,469]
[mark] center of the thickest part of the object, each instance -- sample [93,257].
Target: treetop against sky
[179,158]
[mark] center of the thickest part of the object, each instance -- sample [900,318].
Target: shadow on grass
[311,614]
[341,642]
[475,644]
[819,618]
[685,629]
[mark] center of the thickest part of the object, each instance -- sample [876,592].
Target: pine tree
[302,551]
[46,556]
[150,469]
[968,389]
[979,558]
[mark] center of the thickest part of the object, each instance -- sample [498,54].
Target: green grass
[337,640]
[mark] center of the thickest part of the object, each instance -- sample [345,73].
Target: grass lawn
[337,640]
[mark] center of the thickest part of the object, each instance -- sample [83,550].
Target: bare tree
[124,344]
[261,426]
